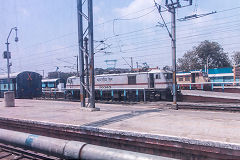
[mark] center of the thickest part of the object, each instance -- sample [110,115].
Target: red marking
[29,76]
[125,84]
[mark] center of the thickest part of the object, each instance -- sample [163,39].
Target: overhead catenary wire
[166,38]
[67,34]
[166,23]
[72,46]
[138,48]
[72,33]
[168,46]
[183,25]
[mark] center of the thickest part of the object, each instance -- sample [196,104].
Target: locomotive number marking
[104,79]
[104,87]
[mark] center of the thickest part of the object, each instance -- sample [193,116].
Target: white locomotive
[136,86]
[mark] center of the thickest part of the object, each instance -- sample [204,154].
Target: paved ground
[154,118]
[211,94]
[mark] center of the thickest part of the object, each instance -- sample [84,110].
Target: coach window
[131,79]
[180,78]
[187,78]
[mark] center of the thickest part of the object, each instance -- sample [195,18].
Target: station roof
[50,80]
[220,75]
[220,70]
[12,75]
[183,74]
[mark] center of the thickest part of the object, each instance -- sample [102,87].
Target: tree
[206,53]
[188,62]
[167,68]
[236,58]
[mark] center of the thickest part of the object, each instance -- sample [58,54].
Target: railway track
[8,152]
[165,146]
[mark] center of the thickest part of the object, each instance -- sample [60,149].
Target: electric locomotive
[155,84]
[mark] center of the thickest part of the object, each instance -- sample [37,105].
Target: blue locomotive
[24,84]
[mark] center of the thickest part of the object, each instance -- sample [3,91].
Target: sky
[47,31]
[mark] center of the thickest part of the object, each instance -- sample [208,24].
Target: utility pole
[7,54]
[172,5]
[91,53]
[42,72]
[173,12]
[80,44]
[207,65]
[131,63]
[8,65]
[77,66]
[82,33]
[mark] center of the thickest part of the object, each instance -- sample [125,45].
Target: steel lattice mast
[83,33]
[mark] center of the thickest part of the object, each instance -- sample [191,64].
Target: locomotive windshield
[69,80]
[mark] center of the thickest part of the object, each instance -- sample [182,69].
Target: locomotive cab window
[132,79]
[70,81]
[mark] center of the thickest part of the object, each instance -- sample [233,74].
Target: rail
[160,145]
[13,152]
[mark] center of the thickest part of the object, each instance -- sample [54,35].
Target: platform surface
[152,118]
[212,94]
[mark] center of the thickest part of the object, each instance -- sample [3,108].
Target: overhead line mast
[172,5]
[82,34]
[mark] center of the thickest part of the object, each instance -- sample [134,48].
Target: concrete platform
[209,96]
[153,118]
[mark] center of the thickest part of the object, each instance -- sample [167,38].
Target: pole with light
[8,55]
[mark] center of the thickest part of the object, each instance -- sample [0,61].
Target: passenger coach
[193,80]
[24,84]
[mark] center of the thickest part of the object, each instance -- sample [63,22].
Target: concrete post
[9,99]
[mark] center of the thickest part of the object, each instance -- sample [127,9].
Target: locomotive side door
[193,77]
[151,80]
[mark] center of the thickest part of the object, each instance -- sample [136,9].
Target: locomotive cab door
[151,80]
[193,77]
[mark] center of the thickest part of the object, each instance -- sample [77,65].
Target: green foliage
[236,58]
[206,51]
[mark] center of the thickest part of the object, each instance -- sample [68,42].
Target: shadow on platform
[120,118]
